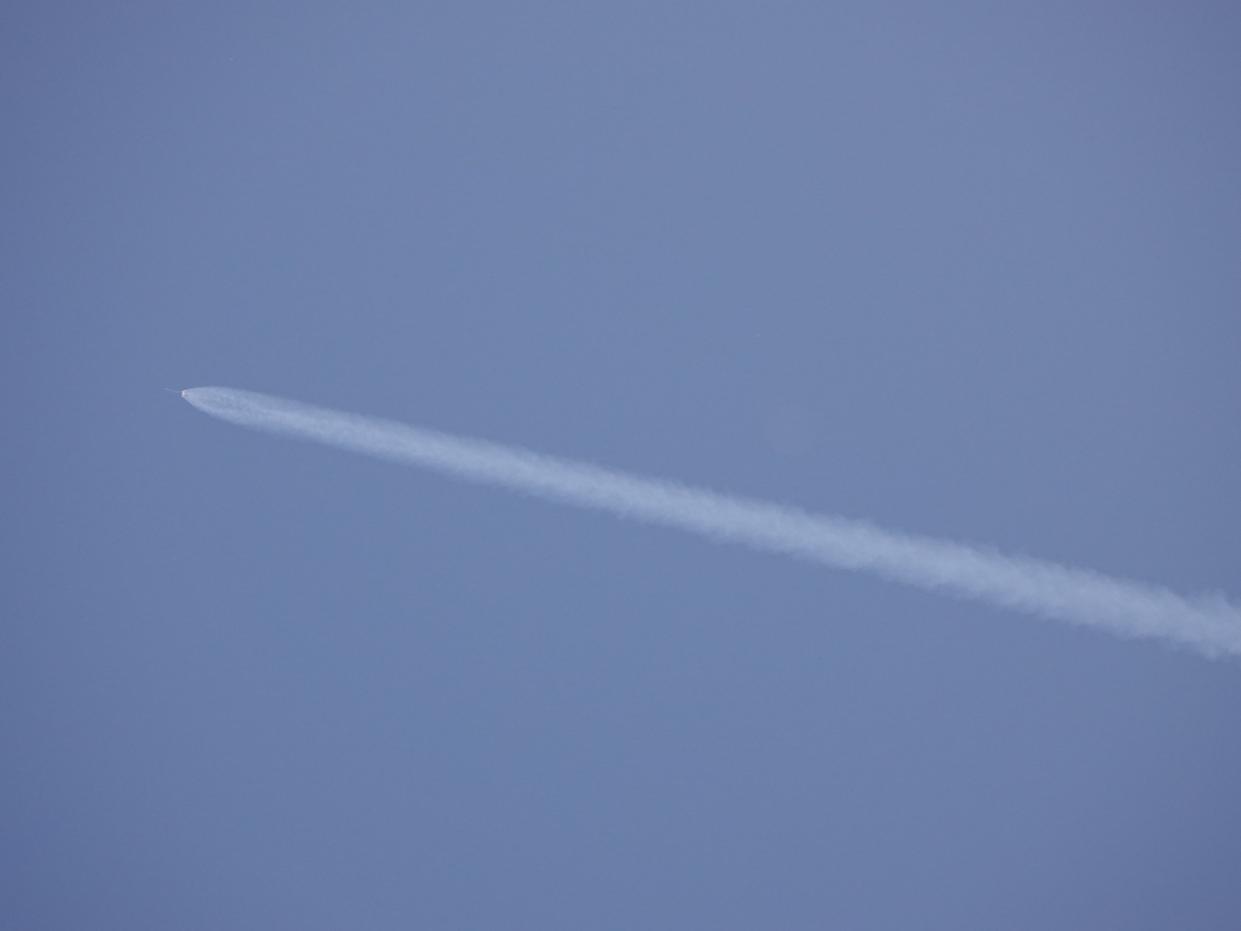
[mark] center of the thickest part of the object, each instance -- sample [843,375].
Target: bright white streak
[1208,623]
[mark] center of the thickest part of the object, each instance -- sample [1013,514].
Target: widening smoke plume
[1209,624]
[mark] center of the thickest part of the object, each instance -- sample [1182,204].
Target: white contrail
[1208,623]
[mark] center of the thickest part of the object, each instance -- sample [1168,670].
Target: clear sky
[966,271]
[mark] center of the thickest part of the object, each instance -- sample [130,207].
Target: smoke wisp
[1209,624]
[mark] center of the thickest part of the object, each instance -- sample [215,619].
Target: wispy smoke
[1209,624]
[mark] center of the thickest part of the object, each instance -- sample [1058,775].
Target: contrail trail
[1209,624]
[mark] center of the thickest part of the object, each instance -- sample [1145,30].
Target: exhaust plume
[1209,624]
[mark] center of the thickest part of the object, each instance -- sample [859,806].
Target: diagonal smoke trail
[1209,624]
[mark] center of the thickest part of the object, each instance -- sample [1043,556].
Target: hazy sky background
[964,271]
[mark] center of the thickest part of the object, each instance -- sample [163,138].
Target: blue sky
[966,272]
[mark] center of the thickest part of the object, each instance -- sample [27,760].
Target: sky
[965,271]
